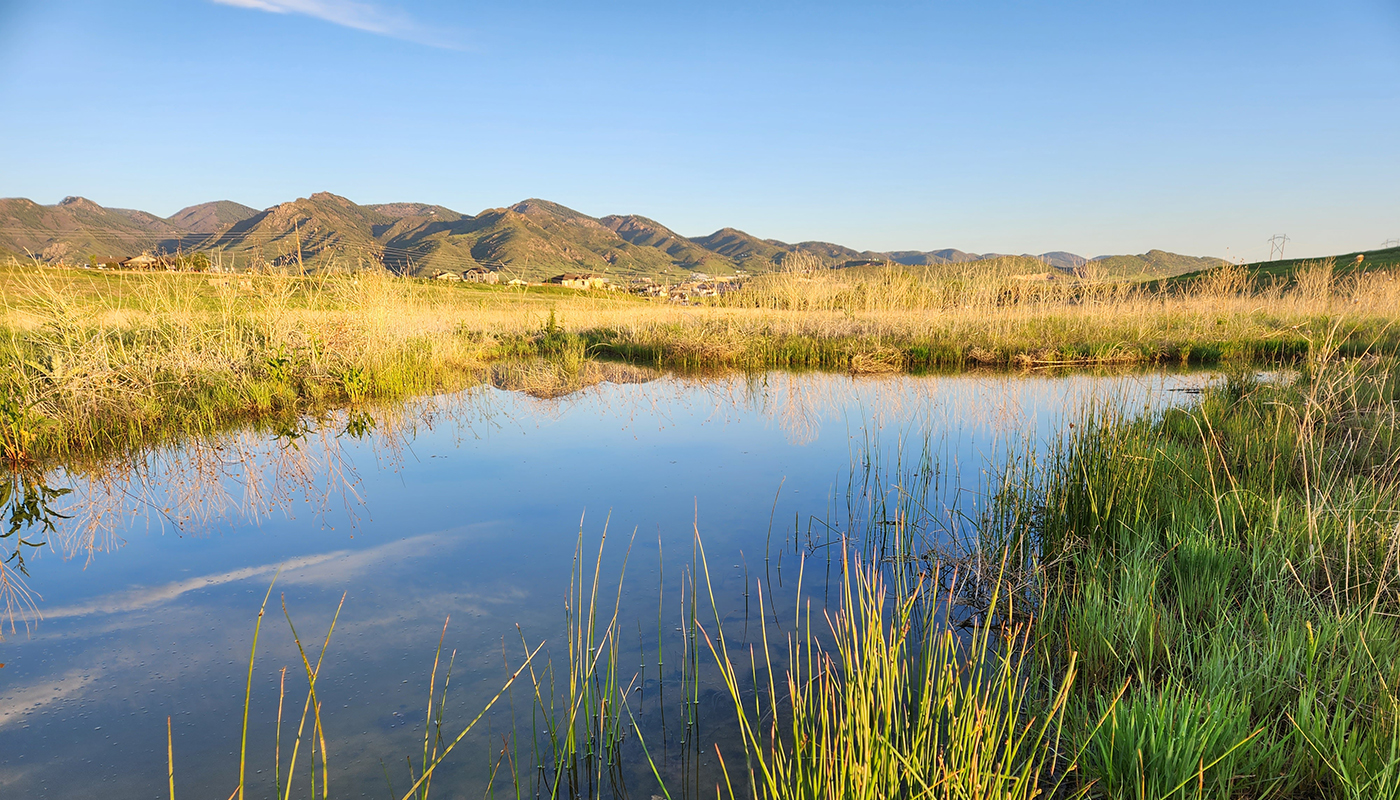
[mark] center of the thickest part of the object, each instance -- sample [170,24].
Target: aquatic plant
[898,704]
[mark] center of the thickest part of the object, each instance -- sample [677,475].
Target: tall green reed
[291,782]
[1231,567]
[890,700]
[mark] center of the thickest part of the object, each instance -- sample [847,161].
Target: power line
[1276,245]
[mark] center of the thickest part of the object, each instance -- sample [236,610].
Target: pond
[476,511]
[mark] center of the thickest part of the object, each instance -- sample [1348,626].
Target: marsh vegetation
[94,362]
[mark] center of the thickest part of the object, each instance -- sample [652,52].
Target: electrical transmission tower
[1276,243]
[1390,243]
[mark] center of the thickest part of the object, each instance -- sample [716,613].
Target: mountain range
[532,239]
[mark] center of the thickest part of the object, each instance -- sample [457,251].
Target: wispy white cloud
[366,17]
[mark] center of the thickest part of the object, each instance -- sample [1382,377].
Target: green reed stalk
[318,730]
[170,757]
[892,711]
[248,689]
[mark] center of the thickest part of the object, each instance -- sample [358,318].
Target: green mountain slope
[77,228]
[684,253]
[320,231]
[1149,265]
[1386,258]
[1285,271]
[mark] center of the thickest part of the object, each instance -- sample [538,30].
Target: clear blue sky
[1197,127]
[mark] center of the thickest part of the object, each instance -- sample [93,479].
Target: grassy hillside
[309,232]
[1346,263]
[77,228]
[644,232]
[1286,274]
[749,252]
[1149,265]
[915,258]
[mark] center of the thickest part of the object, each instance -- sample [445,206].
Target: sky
[1094,127]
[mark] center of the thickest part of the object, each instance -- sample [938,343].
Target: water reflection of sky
[469,506]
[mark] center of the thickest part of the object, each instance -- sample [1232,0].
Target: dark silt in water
[143,599]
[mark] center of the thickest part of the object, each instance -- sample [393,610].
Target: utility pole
[1276,244]
[296,224]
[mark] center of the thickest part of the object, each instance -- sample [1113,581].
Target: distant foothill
[533,241]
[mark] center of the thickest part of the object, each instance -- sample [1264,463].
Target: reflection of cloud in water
[325,569]
[20,701]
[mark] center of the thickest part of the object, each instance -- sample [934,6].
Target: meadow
[92,361]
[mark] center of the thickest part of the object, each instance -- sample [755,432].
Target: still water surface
[469,506]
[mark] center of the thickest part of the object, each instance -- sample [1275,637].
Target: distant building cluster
[148,261]
[698,284]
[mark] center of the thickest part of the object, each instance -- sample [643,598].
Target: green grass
[1199,603]
[881,696]
[1232,568]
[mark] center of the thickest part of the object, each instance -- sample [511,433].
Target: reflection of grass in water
[26,512]
[242,475]
[551,378]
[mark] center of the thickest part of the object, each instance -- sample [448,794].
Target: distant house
[444,275]
[480,275]
[864,262]
[146,261]
[579,280]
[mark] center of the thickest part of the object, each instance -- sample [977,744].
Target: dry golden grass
[94,361]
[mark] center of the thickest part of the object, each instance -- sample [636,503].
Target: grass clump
[891,700]
[184,355]
[1231,569]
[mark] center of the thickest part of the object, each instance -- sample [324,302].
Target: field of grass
[1229,571]
[93,361]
